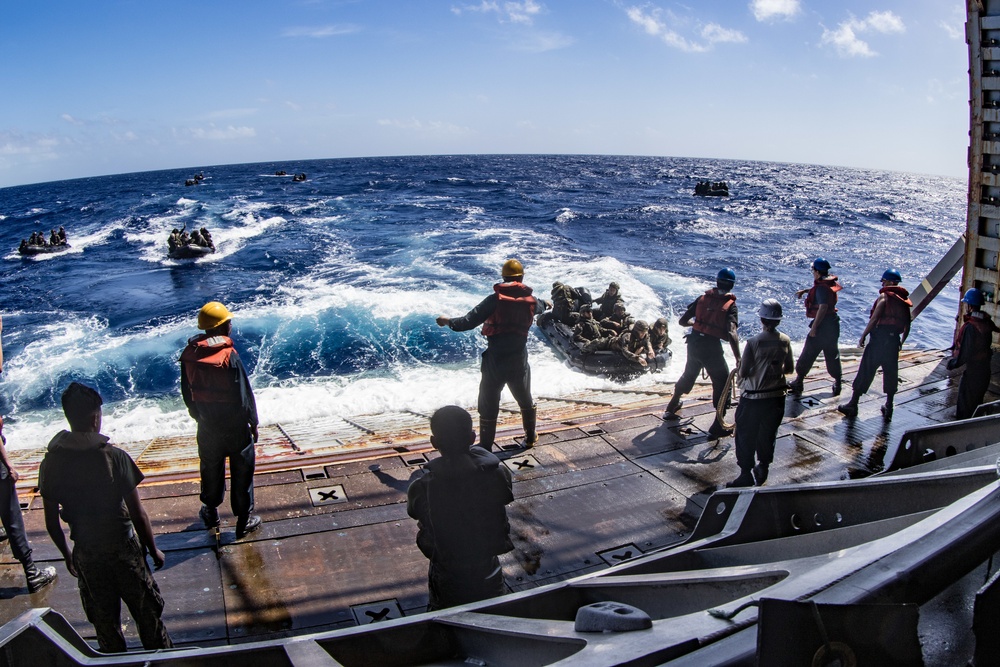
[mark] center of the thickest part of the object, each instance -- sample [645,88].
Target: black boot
[836,387]
[850,409]
[529,418]
[745,479]
[759,473]
[887,408]
[487,433]
[796,385]
[38,578]
[672,407]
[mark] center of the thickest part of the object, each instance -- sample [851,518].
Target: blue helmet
[893,275]
[726,275]
[974,297]
[820,264]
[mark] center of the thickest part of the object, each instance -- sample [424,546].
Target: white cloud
[71,120]
[653,23]
[319,32]
[230,132]
[951,31]
[426,127]
[506,12]
[537,42]
[765,10]
[848,44]
[713,33]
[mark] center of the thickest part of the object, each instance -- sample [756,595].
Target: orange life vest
[207,363]
[982,343]
[515,311]
[830,282]
[896,314]
[711,314]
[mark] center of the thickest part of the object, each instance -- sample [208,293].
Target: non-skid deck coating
[609,480]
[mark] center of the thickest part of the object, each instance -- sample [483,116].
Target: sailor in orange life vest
[218,396]
[824,332]
[889,325]
[506,316]
[974,350]
[713,318]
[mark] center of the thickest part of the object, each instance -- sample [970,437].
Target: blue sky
[105,87]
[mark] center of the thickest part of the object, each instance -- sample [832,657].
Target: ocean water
[335,282]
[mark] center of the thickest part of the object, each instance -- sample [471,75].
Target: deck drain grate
[327,495]
[522,463]
[373,612]
[809,401]
[414,460]
[318,472]
[620,554]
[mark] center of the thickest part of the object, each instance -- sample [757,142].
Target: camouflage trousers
[108,576]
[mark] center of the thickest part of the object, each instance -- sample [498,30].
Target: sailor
[196,238]
[91,485]
[607,301]
[218,396]
[889,325]
[13,523]
[658,336]
[208,238]
[620,321]
[587,329]
[184,239]
[53,238]
[767,358]
[974,350]
[713,318]
[23,246]
[824,331]
[506,316]
[62,236]
[634,344]
[459,504]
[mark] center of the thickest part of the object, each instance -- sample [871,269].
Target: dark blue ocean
[335,282]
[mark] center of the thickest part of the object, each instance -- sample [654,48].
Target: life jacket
[830,282]
[896,314]
[515,311]
[207,363]
[711,314]
[982,347]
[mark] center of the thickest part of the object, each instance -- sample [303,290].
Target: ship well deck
[608,481]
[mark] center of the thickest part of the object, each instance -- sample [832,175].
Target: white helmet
[770,309]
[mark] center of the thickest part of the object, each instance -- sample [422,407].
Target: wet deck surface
[608,481]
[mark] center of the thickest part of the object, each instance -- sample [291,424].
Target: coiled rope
[728,391]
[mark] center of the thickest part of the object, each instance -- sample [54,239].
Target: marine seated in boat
[37,243]
[658,336]
[181,245]
[710,189]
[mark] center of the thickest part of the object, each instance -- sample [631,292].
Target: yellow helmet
[213,314]
[512,269]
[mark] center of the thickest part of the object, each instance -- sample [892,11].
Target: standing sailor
[713,318]
[974,350]
[218,396]
[767,358]
[824,331]
[506,316]
[889,325]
